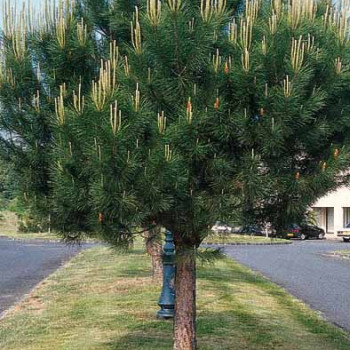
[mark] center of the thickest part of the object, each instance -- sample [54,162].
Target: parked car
[345,233]
[254,230]
[221,227]
[304,231]
[291,231]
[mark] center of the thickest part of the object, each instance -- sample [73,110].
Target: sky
[37,3]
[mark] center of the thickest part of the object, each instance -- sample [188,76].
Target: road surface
[23,264]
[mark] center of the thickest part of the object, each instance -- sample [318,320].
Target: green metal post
[167,296]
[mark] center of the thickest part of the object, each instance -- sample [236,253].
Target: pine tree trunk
[154,250]
[185,301]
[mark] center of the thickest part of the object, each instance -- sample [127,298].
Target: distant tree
[6,185]
[62,54]
[34,64]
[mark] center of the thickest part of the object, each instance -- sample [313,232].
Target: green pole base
[166,314]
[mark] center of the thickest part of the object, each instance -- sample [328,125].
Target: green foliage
[188,122]
[248,124]
[209,255]
[33,68]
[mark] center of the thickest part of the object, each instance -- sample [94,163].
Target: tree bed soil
[103,299]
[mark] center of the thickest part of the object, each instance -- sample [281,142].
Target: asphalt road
[303,269]
[23,264]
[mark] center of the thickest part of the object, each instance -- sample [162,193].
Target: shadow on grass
[132,267]
[218,276]
[131,252]
[153,334]
[136,272]
[224,321]
[223,283]
[215,330]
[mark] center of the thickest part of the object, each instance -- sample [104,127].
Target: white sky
[37,3]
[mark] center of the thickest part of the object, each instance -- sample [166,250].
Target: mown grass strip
[232,238]
[103,300]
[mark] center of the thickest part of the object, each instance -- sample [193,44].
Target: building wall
[338,200]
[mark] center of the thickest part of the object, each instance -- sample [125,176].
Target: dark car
[254,230]
[304,231]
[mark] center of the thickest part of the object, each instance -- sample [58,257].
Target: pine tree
[208,114]
[202,113]
[35,64]
[23,129]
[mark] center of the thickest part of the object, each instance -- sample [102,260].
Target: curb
[336,256]
[44,240]
[277,243]
[39,240]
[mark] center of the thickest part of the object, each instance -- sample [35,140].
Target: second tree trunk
[154,249]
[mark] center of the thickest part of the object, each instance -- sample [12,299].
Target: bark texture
[185,301]
[154,249]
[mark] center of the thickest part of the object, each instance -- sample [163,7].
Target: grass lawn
[102,300]
[232,238]
[8,228]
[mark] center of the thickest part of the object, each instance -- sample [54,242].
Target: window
[346,216]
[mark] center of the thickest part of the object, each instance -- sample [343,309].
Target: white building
[333,211]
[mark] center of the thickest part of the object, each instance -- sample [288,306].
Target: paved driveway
[23,264]
[303,270]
